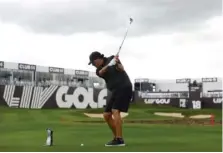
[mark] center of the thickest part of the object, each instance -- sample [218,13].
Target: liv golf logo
[62,97]
[81,98]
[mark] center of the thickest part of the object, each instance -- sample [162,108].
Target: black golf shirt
[114,78]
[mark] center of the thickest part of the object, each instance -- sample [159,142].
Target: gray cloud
[111,16]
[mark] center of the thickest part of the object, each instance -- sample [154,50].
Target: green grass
[24,130]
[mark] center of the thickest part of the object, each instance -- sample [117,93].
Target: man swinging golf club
[118,82]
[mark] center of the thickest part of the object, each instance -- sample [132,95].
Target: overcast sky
[168,38]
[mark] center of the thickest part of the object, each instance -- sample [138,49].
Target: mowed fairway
[25,130]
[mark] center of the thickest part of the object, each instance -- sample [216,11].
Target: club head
[131,20]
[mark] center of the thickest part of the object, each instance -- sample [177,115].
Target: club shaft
[123,39]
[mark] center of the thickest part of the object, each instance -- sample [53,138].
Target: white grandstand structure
[208,84]
[29,74]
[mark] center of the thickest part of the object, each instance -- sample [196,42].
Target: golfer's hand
[116,59]
[112,62]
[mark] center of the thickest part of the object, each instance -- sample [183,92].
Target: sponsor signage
[194,88]
[56,70]
[1,64]
[157,101]
[141,80]
[209,79]
[183,103]
[53,96]
[81,73]
[186,80]
[22,66]
[36,97]
[217,100]
[159,95]
[212,94]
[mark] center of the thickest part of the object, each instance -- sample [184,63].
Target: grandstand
[28,74]
[178,85]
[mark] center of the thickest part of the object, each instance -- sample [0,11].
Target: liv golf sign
[52,97]
[80,98]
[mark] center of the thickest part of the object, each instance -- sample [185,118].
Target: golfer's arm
[120,67]
[103,70]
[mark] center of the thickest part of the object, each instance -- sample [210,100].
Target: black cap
[95,55]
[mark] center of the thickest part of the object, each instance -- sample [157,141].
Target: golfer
[118,82]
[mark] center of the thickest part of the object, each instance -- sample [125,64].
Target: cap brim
[89,63]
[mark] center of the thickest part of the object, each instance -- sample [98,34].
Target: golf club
[131,20]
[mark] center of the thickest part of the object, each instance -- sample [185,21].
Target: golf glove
[112,62]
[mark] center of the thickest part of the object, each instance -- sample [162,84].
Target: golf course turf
[25,130]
